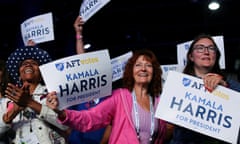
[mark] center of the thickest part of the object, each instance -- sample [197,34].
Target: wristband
[78,36]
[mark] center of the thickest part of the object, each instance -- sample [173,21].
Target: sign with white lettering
[118,65]
[79,78]
[90,7]
[38,28]
[186,102]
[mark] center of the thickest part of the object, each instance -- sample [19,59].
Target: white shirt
[32,128]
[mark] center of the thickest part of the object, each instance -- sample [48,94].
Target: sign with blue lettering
[118,65]
[170,67]
[79,78]
[90,7]
[186,102]
[38,28]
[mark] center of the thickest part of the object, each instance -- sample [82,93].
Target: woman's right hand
[52,101]
[20,95]
[78,25]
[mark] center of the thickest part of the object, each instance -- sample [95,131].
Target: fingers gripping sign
[52,100]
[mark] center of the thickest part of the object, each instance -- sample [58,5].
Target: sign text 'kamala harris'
[79,78]
[38,28]
[186,102]
[89,7]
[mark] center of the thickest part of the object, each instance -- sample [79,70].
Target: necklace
[136,117]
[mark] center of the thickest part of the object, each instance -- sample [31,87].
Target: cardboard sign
[90,7]
[79,78]
[118,65]
[38,28]
[186,102]
[170,67]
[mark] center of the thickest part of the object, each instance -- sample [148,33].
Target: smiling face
[29,71]
[142,71]
[205,57]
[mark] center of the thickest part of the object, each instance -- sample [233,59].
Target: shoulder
[121,91]
[119,94]
[233,84]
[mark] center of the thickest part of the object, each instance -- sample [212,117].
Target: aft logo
[193,84]
[69,64]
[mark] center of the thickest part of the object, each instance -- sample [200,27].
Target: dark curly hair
[155,86]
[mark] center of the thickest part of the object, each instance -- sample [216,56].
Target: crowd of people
[29,113]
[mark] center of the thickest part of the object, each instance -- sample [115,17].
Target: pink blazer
[115,110]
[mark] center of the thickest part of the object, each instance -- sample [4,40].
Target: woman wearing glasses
[203,62]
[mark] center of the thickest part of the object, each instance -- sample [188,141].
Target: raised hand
[78,25]
[20,96]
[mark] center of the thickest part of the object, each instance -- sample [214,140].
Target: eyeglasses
[201,48]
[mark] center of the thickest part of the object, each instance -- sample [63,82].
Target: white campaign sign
[118,65]
[170,67]
[90,7]
[186,102]
[183,48]
[38,28]
[79,78]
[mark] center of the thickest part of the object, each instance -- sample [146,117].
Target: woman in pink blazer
[130,110]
